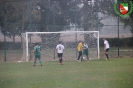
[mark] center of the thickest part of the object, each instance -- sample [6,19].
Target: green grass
[115,73]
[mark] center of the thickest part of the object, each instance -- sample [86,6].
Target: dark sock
[107,56]
[87,57]
[60,60]
[81,58]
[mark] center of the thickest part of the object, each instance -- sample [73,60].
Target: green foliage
[16,14]
[1,15]
[52,15]
[115,73]
[128,22]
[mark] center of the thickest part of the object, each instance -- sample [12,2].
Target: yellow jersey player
[80,47]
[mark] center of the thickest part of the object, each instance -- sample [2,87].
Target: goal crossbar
[61,32]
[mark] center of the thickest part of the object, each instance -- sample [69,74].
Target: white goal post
[49,40]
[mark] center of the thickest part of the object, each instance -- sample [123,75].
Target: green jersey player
[85,50]
[37,53]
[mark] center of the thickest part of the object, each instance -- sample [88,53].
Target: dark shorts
[60,55]
[107,50]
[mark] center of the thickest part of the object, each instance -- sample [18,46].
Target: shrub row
[10,45]
[125,42]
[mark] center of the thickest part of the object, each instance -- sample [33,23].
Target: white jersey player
[60,49]
[106,48]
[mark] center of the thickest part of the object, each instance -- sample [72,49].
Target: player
[60,49]
[85,50]
[106,48]
[80,47]
[37,53]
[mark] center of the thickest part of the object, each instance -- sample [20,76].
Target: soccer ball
[83,57]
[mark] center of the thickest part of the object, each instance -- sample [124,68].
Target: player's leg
[106,53]
[39,57]
[87,57]
[81,57]
[40,61]
[87,54]
[80,54]
[61,58]
[35,61]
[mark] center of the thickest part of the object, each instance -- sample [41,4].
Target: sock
[34,62]
[107,56]
[40,62]
[87,57]
[60,60]
[81,58]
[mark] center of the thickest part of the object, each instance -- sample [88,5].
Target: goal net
[49,40]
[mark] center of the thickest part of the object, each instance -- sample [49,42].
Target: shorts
[38,55]
[85,52]
[107,50]
[60,55]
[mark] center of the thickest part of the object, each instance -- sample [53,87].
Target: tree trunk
[13,38]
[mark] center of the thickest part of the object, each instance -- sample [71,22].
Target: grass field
[114,73]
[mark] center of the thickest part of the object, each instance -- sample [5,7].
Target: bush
[124,42]
[10,45]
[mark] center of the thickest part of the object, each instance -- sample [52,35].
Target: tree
[57,15]
[15,16]
[128,21]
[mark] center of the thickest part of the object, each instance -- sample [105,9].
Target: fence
[20,16]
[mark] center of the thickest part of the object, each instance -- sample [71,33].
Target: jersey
[80,47]
[85,49]
[85,46]
[106,44]
[60,48]
[37,49]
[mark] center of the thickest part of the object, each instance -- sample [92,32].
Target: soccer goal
[49,40]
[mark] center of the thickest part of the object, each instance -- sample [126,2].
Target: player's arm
[87,46]
[104,47]
[57,49]
[78,47]
[81,47]
[34,50]
[63,47]
[84,47]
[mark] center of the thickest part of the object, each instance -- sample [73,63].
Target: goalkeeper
[37,53]
[80,47]
[85,50]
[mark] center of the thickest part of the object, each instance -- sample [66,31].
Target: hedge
[124,42]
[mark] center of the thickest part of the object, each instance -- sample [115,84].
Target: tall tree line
[17,16]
